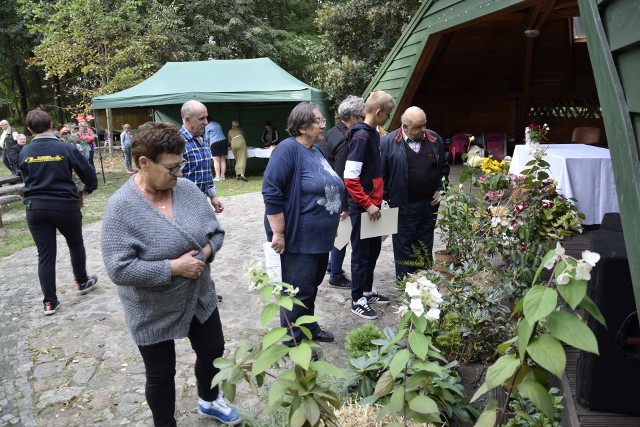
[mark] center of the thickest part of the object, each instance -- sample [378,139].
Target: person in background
[239,148]
[8,139]
[302,209]
[159,238]
[89,136]
[126,139]
[52,202]
[270,136]
[363,179]
[14,154]
[219,146]
[414,164]
[335,149]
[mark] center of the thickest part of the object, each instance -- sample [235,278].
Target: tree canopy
[62,53]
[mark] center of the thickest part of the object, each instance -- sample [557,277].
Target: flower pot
[441,261]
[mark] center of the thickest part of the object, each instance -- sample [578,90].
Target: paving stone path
[80,366]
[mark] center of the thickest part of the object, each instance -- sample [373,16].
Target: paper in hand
[272,262]
[386,224]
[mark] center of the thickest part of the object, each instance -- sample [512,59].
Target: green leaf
[539,396]
[419,344]
[547,352]
[569,329]
[265,292]
[385,384]
[285,302]
[311,410]
[479,392]
[298,417]
[573,292]
[268,313]
[488,417]
[548,256]
[268,358]
[539,302]
[273,336]
[525,329]
[396,402]
[399,362]
[302,320]
[301,355]
[423,404]
[503,347]
[328,369]
[277,392]
[501,370]
[591,308]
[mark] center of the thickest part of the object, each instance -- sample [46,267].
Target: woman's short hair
[38,121]
[154,139]
[301,117]
[380,100]
[352,106]
[235,124]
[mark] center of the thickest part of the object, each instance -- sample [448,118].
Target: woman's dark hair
[154,139]
[301,117]
[38,121]
[268,123]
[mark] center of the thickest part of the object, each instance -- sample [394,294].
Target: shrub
[358,342]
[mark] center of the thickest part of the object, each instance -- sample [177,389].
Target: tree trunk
[17,77]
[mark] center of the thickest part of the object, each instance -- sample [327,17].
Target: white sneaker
[217,178]
[220,410]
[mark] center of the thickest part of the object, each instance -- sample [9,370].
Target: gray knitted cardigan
[137,243]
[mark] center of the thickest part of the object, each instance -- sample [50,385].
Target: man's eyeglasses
[321,121]
[173,169]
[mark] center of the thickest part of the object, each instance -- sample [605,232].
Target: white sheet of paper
[387,224]
[343,236]
[272,262]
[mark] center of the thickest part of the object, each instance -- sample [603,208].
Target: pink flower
[520,207]
[522,248]
[494,195]
[547,204]
[482,178]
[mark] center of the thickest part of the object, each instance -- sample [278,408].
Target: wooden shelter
[498,65]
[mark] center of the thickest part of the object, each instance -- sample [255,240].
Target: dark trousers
[303,271]
[91,153]
[364,255]
[416,223]
[159,359]
[43,224]
[335,262]
[7,163]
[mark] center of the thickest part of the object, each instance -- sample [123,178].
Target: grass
[15,234]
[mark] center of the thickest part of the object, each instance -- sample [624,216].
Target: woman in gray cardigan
[159,237]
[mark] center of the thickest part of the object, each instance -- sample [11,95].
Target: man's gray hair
[188,107]
[2,122]
[351,106]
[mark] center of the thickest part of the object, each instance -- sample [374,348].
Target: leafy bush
[358,342]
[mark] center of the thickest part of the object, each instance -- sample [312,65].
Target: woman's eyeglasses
[321,121]
[173,169]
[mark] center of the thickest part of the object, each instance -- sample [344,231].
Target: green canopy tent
[249,90]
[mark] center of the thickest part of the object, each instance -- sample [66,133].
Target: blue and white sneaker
[220,410]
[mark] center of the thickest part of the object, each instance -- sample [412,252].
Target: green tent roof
[215,81]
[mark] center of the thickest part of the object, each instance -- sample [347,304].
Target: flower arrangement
[422,297]
[536,133]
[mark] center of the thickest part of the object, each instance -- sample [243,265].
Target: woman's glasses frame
[172,169]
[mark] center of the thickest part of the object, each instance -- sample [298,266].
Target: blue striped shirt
[198,157]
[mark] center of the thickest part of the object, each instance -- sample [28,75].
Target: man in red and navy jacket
[414,164]
[363,179]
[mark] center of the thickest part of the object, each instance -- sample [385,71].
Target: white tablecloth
[263,153]
[582,171]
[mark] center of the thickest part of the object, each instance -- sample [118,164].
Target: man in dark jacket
[52,202]
[14,154]
[8,138]
[335,149]
[414,164]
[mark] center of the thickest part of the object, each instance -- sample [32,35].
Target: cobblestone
[80,366]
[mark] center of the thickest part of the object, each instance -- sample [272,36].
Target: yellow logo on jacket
[43,159]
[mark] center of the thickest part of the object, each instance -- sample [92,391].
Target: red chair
[459,144]
[495,144]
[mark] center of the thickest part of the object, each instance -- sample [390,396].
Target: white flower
[559,253]
[582,270]
[416,306]
[563,278]
[332,200]
[507,159]
[590,258]
[433,314]
[293,292]
[402,310]
[412,289]
[559,250]
[475,161]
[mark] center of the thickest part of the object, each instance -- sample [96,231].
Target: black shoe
[323,336]
[87,286]
[243,178]
[50,308]
[376,298]
[219,298]
[362,309]
[341,283]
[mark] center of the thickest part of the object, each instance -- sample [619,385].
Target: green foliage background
[59,54]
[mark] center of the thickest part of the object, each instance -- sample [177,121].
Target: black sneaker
[362,309]
[323,336]
[341,283]
[50,308]
[87,286]
[376,298]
